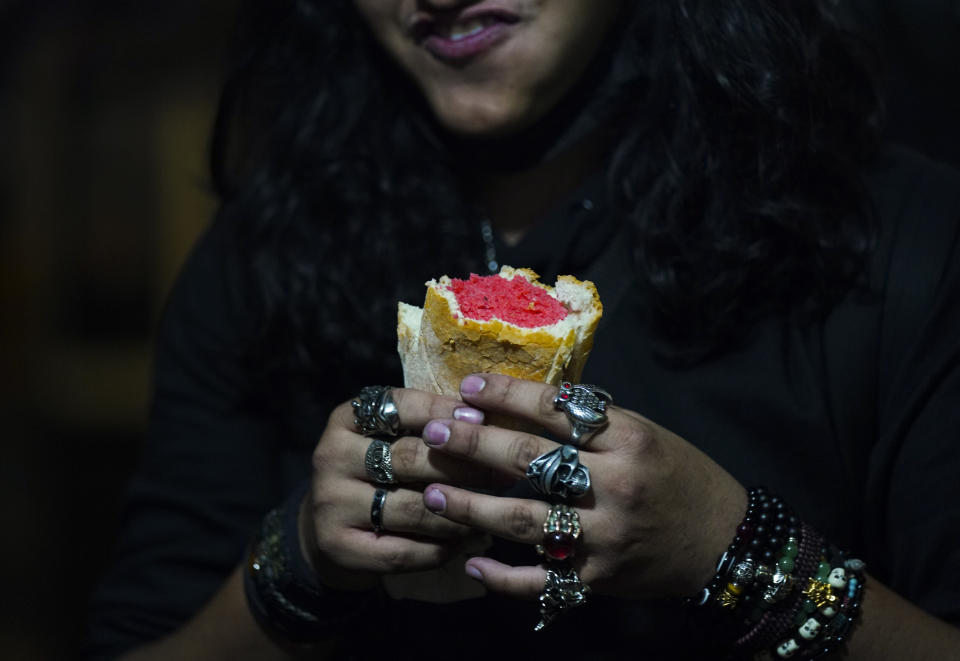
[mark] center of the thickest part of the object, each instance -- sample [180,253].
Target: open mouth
[463,36]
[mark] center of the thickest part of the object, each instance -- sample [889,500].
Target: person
[779,335]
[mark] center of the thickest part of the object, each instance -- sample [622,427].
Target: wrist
[779,587]
[326,574]
[283,590]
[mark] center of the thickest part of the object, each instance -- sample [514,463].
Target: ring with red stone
[586,409]
[561,531]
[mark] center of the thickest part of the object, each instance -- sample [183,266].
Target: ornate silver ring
[376,509]
[377,461]
[563,589]
[586,408]
[561,530]
[559,473]
[375,412]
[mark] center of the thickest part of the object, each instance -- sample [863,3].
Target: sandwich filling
[515,301]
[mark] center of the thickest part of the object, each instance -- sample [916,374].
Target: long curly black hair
[740,178]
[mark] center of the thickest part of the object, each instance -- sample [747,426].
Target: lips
[463,36]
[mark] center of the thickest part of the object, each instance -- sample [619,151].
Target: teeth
[459,31]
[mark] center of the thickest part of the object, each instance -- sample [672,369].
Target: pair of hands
[656,518]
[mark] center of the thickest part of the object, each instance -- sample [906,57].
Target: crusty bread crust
[439,346]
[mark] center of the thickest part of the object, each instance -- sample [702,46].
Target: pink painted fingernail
[435,501]
[468,414]
[473,572]
[436,433]
[472,384]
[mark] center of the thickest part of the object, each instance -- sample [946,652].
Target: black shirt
[853,420]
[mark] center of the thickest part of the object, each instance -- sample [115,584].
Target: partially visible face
[491,67]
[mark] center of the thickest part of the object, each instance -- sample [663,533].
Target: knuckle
[523,450]
[640,437]
[520,522]
[395,559]
[625,488]
[409,510]
[507,390]
[471,436]
[545,407]
[404,455]
[442,407]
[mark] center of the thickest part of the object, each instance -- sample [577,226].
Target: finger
[516,582]
[412,462]
[526,400]
[385,553]
[403,512]
[505,450]
[415,408]
[515,519]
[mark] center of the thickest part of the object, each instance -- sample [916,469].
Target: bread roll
[498,324]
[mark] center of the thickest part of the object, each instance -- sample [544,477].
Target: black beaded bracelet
[283,592]
[772,589]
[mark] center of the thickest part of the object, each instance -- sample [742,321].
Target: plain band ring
[375,412]
[378,462]
[559,473]
[586,409]
[376,509]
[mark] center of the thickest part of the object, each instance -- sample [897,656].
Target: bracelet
[833,597]
[282,591]
[779,587]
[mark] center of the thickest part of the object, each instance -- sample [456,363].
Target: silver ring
[376,509]
[377,461]
[563,589]
[375,412]
[586,408]
[559,473]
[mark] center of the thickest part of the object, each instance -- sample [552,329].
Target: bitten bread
[508,323]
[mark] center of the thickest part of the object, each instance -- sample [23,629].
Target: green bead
[790,550]
[809,606]
[823,571]
[786,564]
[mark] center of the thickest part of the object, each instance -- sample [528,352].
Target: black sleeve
[913,489]
[211,466]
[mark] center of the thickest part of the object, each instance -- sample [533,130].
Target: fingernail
[473,572]
[470,415]
[472,384]
[436,433]
[435,501]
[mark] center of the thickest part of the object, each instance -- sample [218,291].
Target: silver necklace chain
[490,249]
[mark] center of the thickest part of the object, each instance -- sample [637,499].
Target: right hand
[336,534]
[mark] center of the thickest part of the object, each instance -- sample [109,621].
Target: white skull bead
[788,648]
[837,578]
[828,611]
[810,629]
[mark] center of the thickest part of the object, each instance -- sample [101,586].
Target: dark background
[105,109]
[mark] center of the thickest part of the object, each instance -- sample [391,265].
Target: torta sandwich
[508,323]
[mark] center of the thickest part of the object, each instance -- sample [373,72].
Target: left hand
[655,520]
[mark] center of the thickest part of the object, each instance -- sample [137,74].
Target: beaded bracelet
[833,596]
[763,535]
[761,590]
[282,591]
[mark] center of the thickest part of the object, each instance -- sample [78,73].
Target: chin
[484,120]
